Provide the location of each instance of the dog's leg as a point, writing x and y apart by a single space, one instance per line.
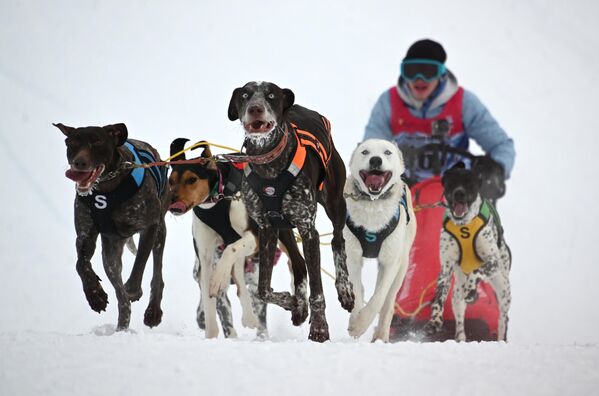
206 258
153 314
360 321
354 266
267 239
200 317
501 285
225 315
86 245
449 251
319 328
300 277
248 317
234 253
336 210
260 307
386 314
458 305
146 243
112 250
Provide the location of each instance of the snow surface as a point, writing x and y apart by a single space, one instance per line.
167 69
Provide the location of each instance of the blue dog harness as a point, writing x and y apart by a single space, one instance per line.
371 241
103 204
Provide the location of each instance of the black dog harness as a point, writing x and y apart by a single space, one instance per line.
102 205
217 217
271 191
370 241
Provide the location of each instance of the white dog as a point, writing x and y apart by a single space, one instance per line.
381 224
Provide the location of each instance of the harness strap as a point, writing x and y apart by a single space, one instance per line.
371 241
102 204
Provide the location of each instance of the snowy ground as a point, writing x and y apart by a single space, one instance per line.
167 70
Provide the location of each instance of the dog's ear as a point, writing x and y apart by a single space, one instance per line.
177 146
118 132
288 99
232 112
67 130
206 153
459 165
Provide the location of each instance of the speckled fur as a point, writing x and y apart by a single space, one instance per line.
374 212
492 249
298 206
143 214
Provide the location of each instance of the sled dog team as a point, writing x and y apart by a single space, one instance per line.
251 203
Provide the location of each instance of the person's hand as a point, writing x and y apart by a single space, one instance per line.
491 175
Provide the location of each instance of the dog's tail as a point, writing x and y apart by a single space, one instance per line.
131 246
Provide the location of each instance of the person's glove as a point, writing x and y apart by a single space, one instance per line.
491 175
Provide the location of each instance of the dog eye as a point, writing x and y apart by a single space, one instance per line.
191 180
388 152
245 95
365 152
271 96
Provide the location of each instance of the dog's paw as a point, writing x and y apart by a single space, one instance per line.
460 336
358 323
299 314
133 292
380 335
153 316
249 320
96 297
345 294
319 328
432 327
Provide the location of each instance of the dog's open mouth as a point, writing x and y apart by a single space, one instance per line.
178 208
259 126
459 209
375 180
85 179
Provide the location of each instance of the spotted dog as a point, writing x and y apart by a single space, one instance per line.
301 169
473 249
117 202
211 190
380 225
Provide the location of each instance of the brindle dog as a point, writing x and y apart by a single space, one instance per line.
268 115
117 203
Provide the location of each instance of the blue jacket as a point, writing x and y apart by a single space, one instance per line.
478 122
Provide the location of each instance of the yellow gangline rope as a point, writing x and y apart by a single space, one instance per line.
200 144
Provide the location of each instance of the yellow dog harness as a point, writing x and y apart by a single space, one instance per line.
466 235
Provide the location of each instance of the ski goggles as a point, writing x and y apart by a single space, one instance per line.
424 69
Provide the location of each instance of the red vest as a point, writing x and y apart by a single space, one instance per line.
402 121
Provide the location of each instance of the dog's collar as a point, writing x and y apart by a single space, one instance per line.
362 196
261 159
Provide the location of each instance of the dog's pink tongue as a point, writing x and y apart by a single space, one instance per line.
374 182
177 207
77 175
459 209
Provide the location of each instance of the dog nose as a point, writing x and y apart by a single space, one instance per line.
80 163
459 194
375 162
256 110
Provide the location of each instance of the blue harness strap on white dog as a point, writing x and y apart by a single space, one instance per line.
371 241
101 205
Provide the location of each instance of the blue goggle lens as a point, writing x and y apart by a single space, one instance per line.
426 70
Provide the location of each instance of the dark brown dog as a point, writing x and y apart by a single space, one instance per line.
117 202
283 193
